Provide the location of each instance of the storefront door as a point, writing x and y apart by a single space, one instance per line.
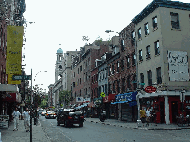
174 105
162 114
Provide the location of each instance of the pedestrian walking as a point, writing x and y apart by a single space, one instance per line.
147 116
26 116
143 115
16 115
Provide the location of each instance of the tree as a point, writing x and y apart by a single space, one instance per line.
65 97
98 41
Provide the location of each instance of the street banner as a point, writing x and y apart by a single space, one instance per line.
14 50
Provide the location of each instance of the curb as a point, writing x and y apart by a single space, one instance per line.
143 128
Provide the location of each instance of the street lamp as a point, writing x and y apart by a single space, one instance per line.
182 100
35 117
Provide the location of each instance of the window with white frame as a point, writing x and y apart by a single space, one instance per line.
139 33
148 52
146 29
154 22
174 20
140 55
157 47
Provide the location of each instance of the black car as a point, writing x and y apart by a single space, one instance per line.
70 117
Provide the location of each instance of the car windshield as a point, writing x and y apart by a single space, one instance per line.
75 112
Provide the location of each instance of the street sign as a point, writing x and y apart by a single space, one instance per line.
21 77
150 89
102 94
141 83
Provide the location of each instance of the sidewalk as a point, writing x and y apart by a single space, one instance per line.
38 135
133 125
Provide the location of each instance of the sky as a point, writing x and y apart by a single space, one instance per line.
63 23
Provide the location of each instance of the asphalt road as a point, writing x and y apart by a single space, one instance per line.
92 132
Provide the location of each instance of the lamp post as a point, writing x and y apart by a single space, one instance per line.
35 107
182 100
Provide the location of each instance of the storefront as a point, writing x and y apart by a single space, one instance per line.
127 106
110 109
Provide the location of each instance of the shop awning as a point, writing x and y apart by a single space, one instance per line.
9 88
13 97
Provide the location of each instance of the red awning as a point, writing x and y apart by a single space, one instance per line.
11 97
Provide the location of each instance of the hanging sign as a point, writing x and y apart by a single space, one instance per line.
150 89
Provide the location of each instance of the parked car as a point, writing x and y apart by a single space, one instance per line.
50 114
70 117
43 112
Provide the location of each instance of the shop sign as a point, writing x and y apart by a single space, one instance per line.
79 99
150 89
106 99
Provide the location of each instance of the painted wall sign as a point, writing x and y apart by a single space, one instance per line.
178 66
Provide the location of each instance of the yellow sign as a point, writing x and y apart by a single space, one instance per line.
102 94
10 81
14 49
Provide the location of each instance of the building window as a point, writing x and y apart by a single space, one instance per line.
122 64
133 38
140 55
128 61
134 59
109 88
118 88
159 77
122 44
114 87
146 29
174 20
148 52
106 74
78 70
73 84
109 70
123 85
142 79
74 74
149 75
117 66
80 80
128 82
157 48
139 33
134 82
154 22
113 69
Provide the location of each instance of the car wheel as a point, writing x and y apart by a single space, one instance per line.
66 124
81 124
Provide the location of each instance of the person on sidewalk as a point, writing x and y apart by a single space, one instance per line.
16 115
26 116
147 116
143 115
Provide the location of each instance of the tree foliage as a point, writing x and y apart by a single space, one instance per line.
65 96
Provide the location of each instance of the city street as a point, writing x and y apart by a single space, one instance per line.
92 132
